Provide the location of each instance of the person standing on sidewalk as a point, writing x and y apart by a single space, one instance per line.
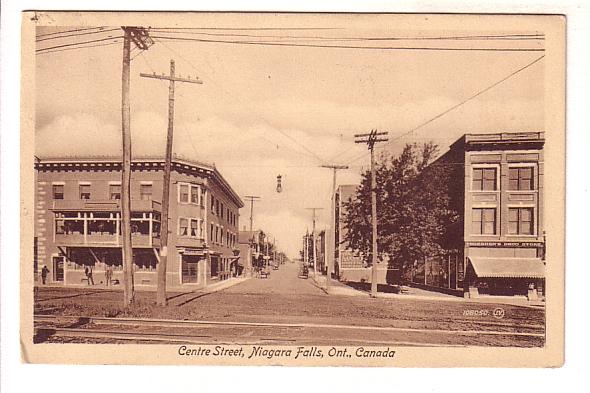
44 273
88 272
109 275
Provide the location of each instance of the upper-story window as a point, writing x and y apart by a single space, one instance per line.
521 178
58 191
212 204
145 192
189 193
194 227
114 191
520 221
484 179
84 191
183 193
183 226
195 191
217 207
483 221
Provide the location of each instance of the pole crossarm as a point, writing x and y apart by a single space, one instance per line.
139 36
335 166
370 133
172 78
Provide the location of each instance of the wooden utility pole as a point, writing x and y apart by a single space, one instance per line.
331 244
161 289
252 199
305 246
141 39
315 254
370 139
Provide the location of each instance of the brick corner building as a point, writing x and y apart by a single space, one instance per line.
78 221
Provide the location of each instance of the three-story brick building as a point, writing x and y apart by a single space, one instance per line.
498 246
78 221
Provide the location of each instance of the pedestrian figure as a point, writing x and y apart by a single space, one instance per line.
88 272
44 272
109 275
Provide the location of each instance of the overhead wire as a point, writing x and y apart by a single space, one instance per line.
284 44
116 41
75 35
514 37
82 45
70 31
463 102
77 43
313 154
248 28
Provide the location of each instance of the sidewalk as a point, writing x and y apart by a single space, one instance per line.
219 286
210 288
336 287
339 288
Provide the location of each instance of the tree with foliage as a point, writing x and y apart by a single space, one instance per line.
416 208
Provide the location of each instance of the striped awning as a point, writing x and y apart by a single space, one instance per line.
508 267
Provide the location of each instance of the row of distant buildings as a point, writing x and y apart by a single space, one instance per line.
78 222
501 247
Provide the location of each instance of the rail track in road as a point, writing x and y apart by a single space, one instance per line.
234 332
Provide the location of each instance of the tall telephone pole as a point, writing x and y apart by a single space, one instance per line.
252 199
141 39
315 254
161 289
370 139
331 249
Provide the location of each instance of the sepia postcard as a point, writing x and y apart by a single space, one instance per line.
299 189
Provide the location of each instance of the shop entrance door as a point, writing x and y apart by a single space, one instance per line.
190 269
58 269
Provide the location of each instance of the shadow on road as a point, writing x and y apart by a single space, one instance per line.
43 334
366 287
95 292
193 298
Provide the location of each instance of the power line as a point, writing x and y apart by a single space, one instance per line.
69 31
247 28
75 35
458 105
77 43
424 48
513 37
238 100
117 41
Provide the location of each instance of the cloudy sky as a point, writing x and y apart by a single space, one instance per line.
269 110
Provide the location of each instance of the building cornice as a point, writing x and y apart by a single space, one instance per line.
143 163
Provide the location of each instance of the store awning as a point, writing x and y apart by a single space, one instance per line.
508 267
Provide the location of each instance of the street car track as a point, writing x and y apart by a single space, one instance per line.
167 323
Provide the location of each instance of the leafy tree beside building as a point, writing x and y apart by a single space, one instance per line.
417 209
